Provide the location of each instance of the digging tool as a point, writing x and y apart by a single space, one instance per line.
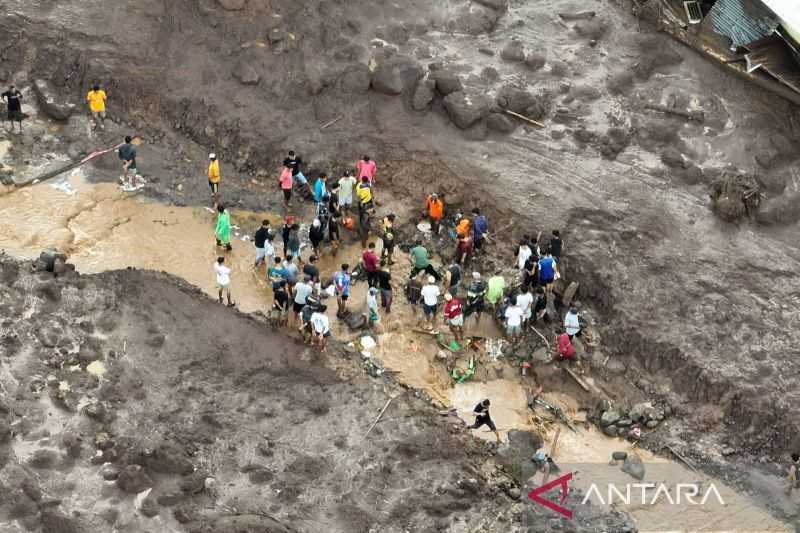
697 116
379 417
523 117
542 336
331 122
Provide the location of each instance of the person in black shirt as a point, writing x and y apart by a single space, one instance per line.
280 303
311 270
482 417
294 162
127 152
285 231
316 234
556 246
13 100
333 230
261 238
385 285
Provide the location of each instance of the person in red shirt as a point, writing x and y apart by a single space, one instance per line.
371 261
566 351
463 248
453 316
367 168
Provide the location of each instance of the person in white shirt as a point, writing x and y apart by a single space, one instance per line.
525 301
430 300
572 324
513 316
346 186
321 327
301 292
223 280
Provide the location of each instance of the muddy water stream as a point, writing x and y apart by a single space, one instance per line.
102 228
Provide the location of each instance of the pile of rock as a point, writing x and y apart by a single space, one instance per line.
618 421
51 260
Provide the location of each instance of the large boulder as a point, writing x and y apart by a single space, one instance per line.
246 73
395 75
355 79
610 417
497 5
500 122
633 466
52 104
474 19
447 81
521 101
465 110
133 479
48 258
423 95
513 51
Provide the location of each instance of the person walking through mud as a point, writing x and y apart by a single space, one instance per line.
373 312
334 237
482 417
263 241
97 106
547 272
276 273
572 323
341 288
430 301
434 211
127 153
366 168
346 187
223 274
316 234
453 316
223 228
286 183
420 261
366 200
302 291
321 189
384 281
311 270
13 99
294 164
370 261
387 239
290 271
513 315
321 327
480 229
213 178
293 241
556 246
476 292
280 303
413 293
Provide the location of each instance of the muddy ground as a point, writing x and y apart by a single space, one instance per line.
694 313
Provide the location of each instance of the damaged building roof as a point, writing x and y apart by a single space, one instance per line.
742 21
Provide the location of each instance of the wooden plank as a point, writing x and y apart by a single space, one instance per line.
578 380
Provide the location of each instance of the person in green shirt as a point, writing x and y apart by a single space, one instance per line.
421 261
223 229
497 286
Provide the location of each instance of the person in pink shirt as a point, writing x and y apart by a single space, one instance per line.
286 183
566 351
367 167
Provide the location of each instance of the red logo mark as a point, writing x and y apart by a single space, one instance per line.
564 482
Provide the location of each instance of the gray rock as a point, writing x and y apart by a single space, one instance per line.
246 73
500 123
447 81
486 51
395 75
478 132
499 5
633 466
465 110
672 158
619 456
149 506
514 493
423 95
535 61
276 35
232 5
767 158
652 424
109 472
609 417
55 522
43 459
513 51
355 79
47 259
54 105
586 93
625 422
603 405
611 430
474 19
133 479
167 458
169 499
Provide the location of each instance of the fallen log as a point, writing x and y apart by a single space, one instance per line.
580 15
697 116
578 380
379 417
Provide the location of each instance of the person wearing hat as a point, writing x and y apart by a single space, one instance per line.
434 210
316 234
430 300
97 105
213 178
453 316
476 292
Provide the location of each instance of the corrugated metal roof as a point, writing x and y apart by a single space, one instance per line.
743 21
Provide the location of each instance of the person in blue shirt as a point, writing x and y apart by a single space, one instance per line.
547 271
480 228
276 273
341 284
320 188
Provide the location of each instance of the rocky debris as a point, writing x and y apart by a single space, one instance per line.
486 51
465 110
394 75
535 61
424 94
633 466
620 82
148 505
43 459
521 101
252 523
673 158
500 122
617 421
586 93
167 458
133 479
592 29
257 474
514 51
355 79
47 260
559 69
232 5
619 456
499 5
55 522
614 142
246 73
474 19
610 417
447 81
658 55
767 157
54 105
109 472
734 197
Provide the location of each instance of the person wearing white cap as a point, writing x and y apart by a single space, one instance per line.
373 315
213 178
453 316
430 300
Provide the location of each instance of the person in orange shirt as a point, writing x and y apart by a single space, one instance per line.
464 227
435 211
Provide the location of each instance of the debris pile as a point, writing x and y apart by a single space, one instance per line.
617 421
735 197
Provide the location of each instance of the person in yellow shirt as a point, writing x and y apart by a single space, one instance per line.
97 105
364 193
213 178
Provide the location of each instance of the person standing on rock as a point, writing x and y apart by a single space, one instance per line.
127 153
13 99
263 241
97 105
367 168
387 238
421 262
321 327
341 287
572 323
453 316
482 417
346 187
480 229
434 210
286 183
223 280
294 164
430 301
223 228
213 178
